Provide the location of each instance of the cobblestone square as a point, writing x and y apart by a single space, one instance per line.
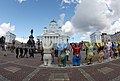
32 69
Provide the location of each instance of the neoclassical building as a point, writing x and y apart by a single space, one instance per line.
96 37
9 37
54 33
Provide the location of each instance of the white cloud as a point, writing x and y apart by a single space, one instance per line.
61 20
90 16
64 2
20 1
114 28
67 1
24 40
85 36
114 16
67 28
115 6
71 1
5 27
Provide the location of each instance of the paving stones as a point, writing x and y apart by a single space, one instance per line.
116 79
30 62
32 69
3 78
2 61
59 74
15 72
12 69
31 75
105 70
87 76
102 72
59 77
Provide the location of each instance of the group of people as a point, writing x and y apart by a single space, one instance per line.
64 50
22 52
109 49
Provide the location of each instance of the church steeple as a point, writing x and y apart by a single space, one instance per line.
53 24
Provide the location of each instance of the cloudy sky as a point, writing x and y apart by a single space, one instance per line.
78 18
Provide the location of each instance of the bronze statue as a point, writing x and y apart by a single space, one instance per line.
31 31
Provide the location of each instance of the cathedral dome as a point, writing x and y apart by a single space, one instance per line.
45 27
53 21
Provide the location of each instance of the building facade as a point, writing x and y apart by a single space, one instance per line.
115 37
53 34
9 37
96 37
105 37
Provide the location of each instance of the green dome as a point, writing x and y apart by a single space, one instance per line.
53 21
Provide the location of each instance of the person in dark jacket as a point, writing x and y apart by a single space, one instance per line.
41 51
17 52
25 52
21 52
31 51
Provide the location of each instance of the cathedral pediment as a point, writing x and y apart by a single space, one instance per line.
51 33
54 34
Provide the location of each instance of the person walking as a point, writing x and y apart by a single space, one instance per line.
52 54
5 49
17 51
67 53
21 52
31 51
41 51
25 52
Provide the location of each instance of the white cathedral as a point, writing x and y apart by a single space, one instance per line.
55 34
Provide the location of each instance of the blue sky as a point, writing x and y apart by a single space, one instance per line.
31 14
79 18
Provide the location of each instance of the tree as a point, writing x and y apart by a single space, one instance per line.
2 40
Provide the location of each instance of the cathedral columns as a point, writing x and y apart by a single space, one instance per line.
45 39
55 39
48 39
58 40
